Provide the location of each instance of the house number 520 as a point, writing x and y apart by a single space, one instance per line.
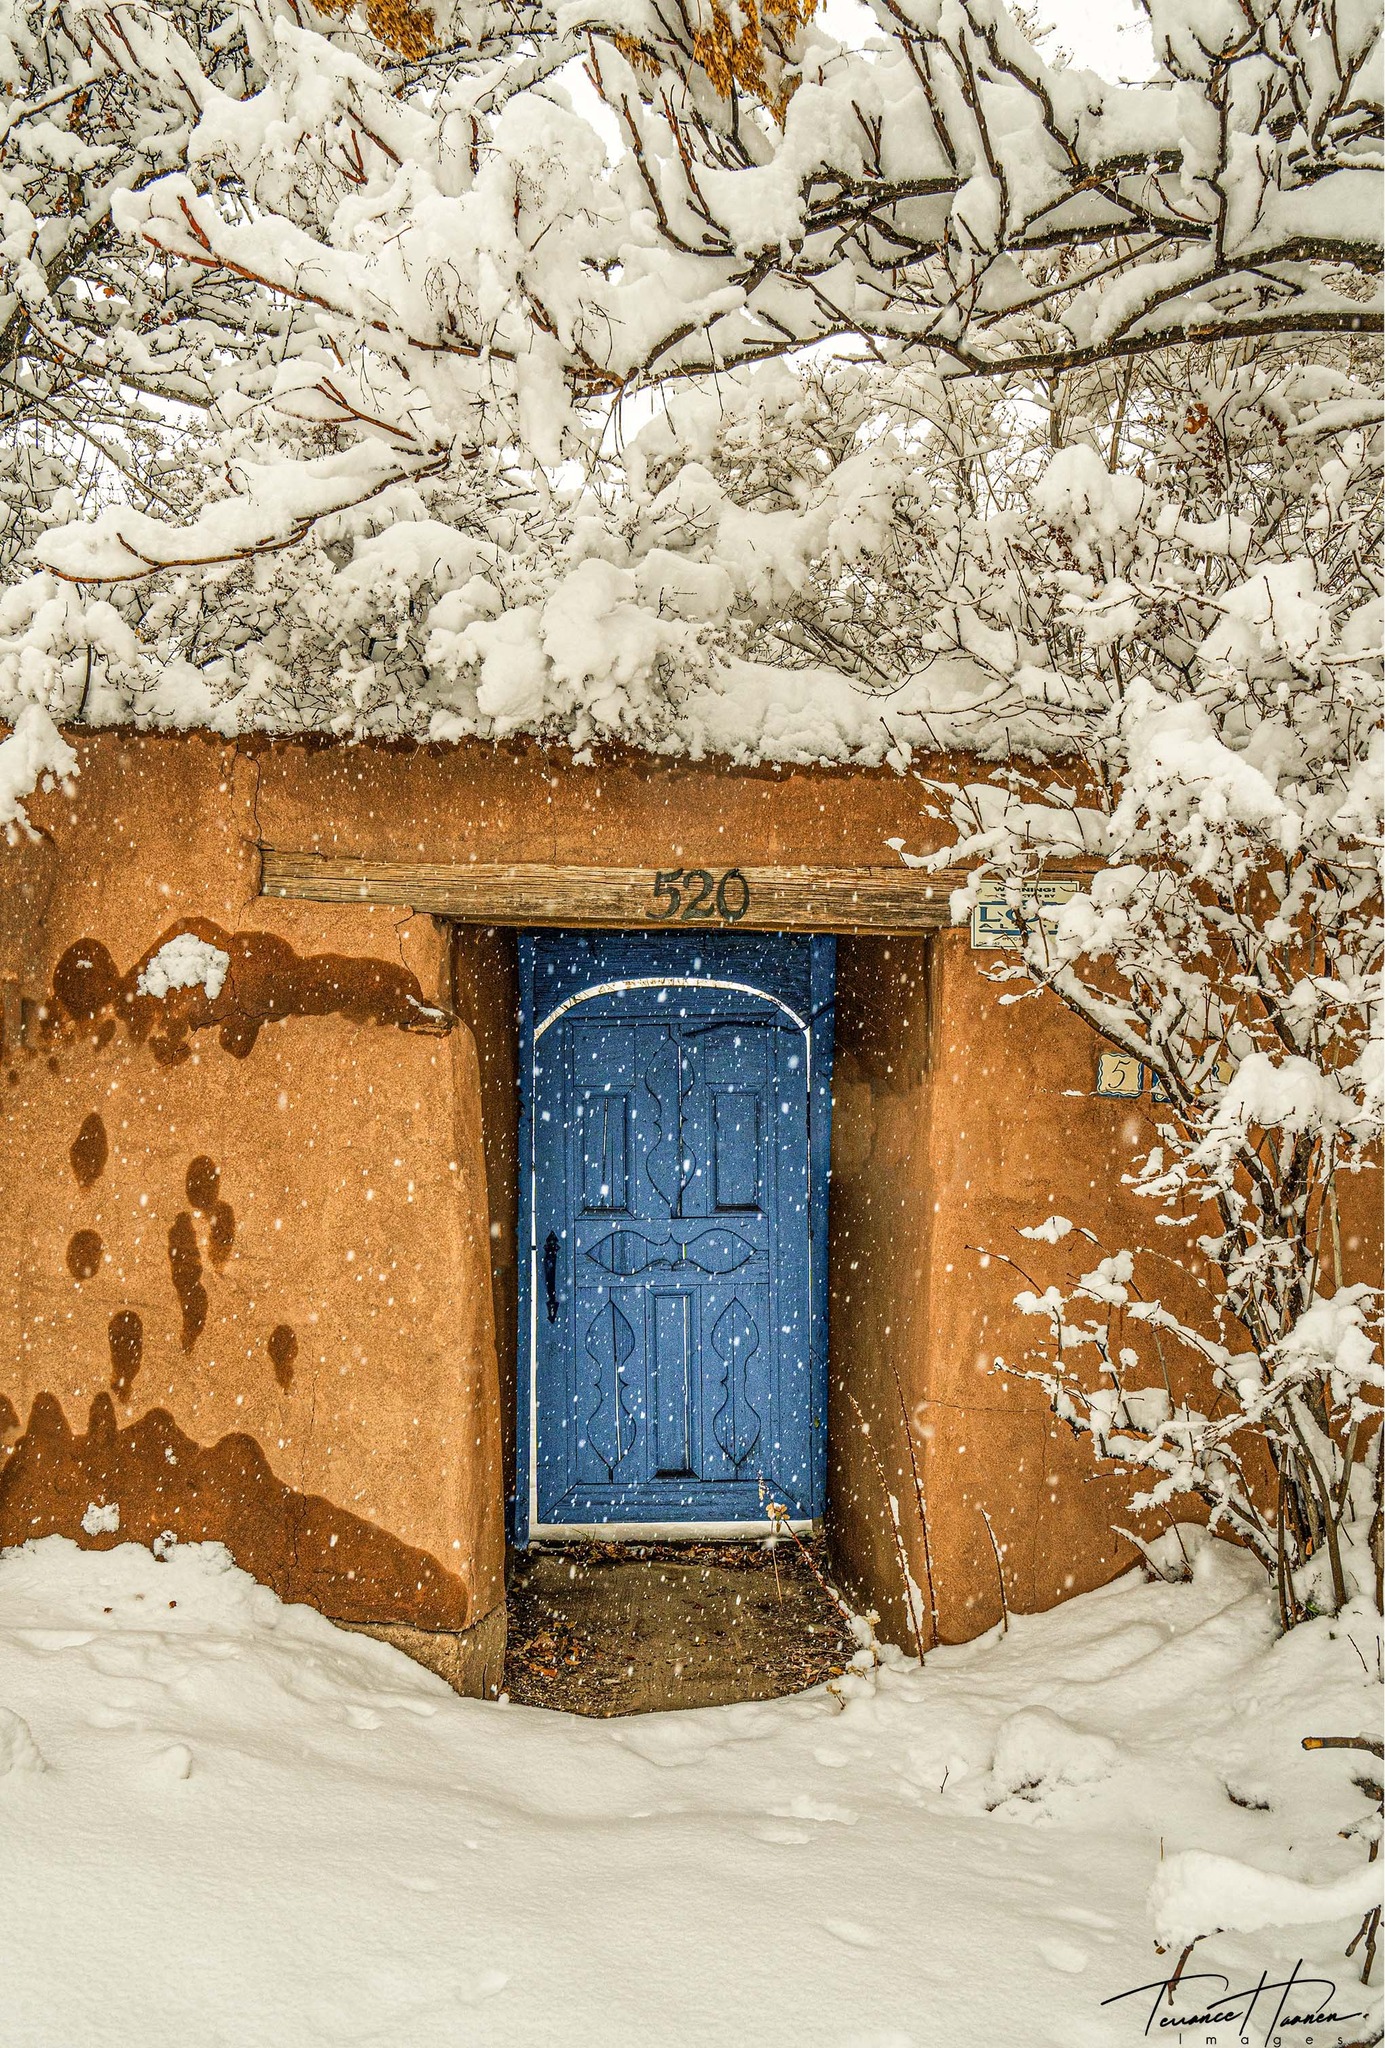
697 896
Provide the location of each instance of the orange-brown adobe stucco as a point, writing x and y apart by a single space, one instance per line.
257 1254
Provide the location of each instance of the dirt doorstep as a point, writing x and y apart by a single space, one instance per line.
597 1628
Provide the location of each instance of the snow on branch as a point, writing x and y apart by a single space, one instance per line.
950 187
280 503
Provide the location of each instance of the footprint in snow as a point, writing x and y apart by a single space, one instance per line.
1080 1916
836 1756
803 1807
780 1836
111 1717
485 1986
175 1762
55 1638
853 1933
114 1659
20 1756
1065 1956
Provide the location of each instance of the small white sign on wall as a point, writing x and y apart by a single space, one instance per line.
994 925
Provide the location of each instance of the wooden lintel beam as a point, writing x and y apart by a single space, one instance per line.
890 899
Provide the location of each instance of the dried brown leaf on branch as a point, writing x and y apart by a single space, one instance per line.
407 30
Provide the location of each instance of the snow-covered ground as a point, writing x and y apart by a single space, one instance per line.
224 1821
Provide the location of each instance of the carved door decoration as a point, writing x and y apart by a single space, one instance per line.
676 1323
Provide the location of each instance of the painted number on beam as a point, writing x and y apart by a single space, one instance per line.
697 896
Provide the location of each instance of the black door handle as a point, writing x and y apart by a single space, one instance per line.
550 1274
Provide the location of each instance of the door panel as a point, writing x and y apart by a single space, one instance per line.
674 1369
673 1230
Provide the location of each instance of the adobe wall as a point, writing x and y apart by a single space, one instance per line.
244 1245
958 1122
527 803
257 1255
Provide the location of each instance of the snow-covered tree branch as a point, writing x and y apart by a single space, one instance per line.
244 234
948 185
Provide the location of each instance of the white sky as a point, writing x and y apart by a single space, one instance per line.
1109 36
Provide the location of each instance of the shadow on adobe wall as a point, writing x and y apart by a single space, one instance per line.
303 1546
265 981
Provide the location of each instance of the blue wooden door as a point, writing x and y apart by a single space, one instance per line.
676 1131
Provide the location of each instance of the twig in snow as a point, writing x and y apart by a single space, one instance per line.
922 1512
1000 1575
1369 1930
1181 1966
904 1572
779 1520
